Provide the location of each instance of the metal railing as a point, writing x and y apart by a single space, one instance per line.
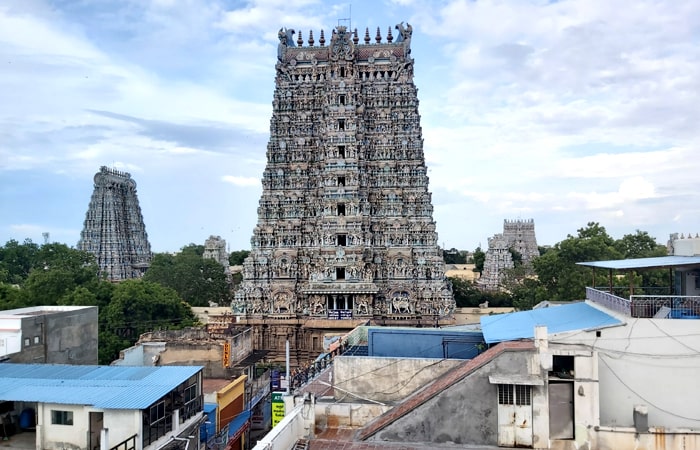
126 444
649 306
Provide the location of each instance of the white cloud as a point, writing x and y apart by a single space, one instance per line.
241 181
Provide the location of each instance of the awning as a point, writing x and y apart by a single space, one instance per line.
238 425
528 380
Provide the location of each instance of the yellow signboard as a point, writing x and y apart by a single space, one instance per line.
226 357
277 408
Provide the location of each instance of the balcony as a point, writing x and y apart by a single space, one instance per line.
648 306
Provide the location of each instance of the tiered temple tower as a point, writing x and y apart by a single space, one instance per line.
345 229
114 230
215 248
518 235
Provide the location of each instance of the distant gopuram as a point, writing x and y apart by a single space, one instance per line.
517 236
345 230
114 230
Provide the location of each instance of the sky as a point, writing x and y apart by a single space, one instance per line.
565 112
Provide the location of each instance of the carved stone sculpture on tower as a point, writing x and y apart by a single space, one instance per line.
113 230
345 220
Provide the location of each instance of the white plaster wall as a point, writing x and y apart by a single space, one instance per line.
298 423
122 424
63 436
10 336
655 362
132 356
691 279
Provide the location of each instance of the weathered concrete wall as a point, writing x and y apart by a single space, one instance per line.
59 336
385 380
464 413
71 337
657 439
209 355
346 415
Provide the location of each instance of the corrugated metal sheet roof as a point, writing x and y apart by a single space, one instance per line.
108 387
557 319
644 263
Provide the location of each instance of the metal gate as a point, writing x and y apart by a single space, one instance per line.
561 410
514 415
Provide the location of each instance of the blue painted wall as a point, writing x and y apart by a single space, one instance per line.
423 343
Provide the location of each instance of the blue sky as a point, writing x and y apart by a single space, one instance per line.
565 112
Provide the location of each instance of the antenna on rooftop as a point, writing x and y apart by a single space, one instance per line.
348 19
46 235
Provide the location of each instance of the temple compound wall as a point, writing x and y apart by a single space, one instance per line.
345 231
114 230
519 236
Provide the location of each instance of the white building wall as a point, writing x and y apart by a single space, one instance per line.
122 424
10 335
63 436
655 362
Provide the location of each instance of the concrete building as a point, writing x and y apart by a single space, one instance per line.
345 229
114 230
223 355
574 376
49 335
99 407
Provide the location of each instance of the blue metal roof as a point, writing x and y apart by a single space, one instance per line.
644 263
107 387
557 319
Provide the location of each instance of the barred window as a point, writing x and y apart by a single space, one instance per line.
505 394
509 394
522 395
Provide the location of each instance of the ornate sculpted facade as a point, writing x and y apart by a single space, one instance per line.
345 227
518 235
113 230
215 248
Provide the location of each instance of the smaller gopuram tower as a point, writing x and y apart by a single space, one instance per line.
519 236
113 230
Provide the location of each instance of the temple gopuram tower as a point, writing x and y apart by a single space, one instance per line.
114 230
518 235
345 230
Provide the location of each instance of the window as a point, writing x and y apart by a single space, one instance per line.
509 394
341 181
26 342
341 124
341 151
342 240
341 99
341 209
342 71
340 273
61 417
37 340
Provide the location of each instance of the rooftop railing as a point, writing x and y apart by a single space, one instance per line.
648 306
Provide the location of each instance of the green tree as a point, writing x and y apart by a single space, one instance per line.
11 297
454 256
16 260
58 270
236 258
467 294
139 306
479 259
639 245
557 270
197 280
